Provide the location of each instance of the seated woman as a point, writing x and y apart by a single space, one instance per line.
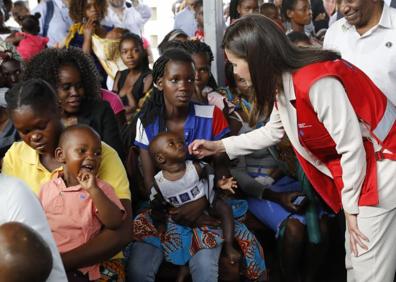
34 110
74 77
101 42
132 83
169 108
273 195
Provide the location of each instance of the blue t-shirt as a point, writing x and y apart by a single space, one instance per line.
203 122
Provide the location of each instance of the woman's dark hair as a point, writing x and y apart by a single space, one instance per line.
77 9
36 93
137 40
47 63
198 47
154 107
287 5
172 36
30 24
229 75
269 53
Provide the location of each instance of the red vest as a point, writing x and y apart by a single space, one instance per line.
371 107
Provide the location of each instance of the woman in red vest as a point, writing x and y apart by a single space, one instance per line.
342 129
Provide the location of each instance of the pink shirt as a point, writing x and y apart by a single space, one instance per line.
71 215
31 45
113 99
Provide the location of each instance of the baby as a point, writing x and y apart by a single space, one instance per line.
180 182
75 201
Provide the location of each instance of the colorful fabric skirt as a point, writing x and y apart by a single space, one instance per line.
180 243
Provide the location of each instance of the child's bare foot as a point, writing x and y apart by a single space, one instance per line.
184 271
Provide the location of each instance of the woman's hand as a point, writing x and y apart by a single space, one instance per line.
355 236
202 148
286 200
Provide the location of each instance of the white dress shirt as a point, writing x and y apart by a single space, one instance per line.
373 52
185 20
144 11
18 203
59 24
330 102
130 20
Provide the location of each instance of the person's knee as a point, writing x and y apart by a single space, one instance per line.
143 262
204 265
294 230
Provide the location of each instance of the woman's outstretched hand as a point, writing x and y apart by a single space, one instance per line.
202 148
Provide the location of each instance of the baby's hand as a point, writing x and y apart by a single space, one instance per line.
232 254
227 183
87 181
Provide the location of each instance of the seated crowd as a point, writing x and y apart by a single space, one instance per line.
99 133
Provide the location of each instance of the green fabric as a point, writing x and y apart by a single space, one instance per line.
311 213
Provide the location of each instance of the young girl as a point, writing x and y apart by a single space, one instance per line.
180 182
170 108
76 202
28 42
132 84
240 8
93 38
34 110
205 90
298 15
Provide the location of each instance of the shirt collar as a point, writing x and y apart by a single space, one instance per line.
61 185
288 88
385 21
30 156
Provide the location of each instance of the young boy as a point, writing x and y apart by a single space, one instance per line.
181 181
75 201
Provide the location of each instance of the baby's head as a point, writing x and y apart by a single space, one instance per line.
167 148
80 150
30 24
24 255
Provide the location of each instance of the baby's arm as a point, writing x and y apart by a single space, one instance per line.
108 213
159 211
222 210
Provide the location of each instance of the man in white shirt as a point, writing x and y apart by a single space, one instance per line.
19 204
119 15
366 37
185 20
54 21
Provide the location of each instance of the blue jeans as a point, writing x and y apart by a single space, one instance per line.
145 260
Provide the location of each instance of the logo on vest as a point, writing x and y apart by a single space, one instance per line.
304 125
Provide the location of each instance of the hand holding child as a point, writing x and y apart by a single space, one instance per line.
227 183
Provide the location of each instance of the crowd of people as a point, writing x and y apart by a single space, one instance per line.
116 166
